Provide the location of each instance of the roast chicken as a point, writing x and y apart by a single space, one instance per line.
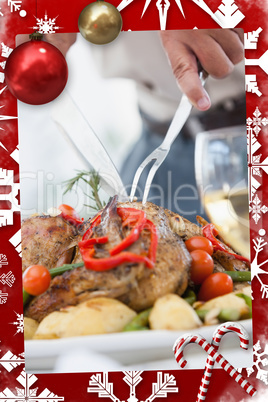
52 241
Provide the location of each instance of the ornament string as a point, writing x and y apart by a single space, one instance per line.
36 19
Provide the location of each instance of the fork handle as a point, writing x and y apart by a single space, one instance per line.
180 117
177 123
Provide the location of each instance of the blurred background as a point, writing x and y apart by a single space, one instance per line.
47 160
131 117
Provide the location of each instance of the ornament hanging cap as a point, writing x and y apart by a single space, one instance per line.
36 36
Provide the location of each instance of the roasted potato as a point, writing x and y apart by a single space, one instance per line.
100 315
228 301
173 313
30 327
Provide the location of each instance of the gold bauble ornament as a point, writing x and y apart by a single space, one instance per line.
100 22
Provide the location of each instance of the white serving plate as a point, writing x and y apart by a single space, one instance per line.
148 350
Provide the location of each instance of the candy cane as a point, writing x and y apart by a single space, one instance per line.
183 341
217 336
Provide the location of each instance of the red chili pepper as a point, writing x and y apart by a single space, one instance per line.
69 214
127 213
129 216
209 231
104 264
94 240
95 222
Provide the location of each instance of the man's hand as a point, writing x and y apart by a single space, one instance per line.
217 50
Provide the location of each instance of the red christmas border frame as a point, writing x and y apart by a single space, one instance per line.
18 17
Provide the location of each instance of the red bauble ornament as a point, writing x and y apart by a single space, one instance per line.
36 71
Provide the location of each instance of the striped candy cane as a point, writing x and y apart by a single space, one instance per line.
218 334
183 341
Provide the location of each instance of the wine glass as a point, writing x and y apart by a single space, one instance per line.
222 180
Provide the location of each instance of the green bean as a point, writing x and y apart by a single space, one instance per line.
226 314
189 296
229 314
135 328
201 314
239 276
139 322
26 297
63 268
248 301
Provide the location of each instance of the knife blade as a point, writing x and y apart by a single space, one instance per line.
78 132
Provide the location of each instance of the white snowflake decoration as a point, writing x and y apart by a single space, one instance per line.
15 240
3 297
251 84
257 121
250 42
261 62
7 179
14 5
15 154
7 279
99 383
165 384
251 39
257 209
3 260
132 378
27 393
163 6
255 165
10 361
227 16
260 358
256 269
46 25
6 51
19 323
3 117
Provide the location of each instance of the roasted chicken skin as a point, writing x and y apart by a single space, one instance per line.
173 261
135 284
47 240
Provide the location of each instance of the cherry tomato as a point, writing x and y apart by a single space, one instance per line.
36 280
215 285
201 267
70 214
199 243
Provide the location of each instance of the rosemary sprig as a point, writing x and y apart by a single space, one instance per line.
91 178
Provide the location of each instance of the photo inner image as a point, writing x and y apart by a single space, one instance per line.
134 200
